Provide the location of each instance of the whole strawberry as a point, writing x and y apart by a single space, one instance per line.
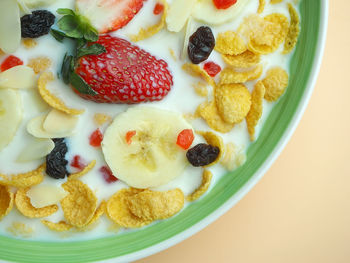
124 73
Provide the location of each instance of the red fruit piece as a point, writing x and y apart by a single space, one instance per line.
158 9
129 135
96 138
107 174
10 62
78 162
185 139
224 4
124 74
108 15
212 68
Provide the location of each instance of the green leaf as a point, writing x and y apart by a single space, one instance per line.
80 85
91 34
95 49
67 68
58 35
65 11
80 43
71 26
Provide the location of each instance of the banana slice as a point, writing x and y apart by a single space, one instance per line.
151 158
38 3
206 11
10 26
179 12
11 112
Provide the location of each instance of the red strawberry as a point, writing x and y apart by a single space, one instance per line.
108 15
124 74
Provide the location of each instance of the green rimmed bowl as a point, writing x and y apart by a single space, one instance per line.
227 192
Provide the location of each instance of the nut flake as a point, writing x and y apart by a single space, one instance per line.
275 82
18 77
203 188
230 43
6 201
58 122
25 179
24 205
35 150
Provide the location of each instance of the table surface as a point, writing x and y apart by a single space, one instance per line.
300 210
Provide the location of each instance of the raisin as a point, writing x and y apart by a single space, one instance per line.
202 154
201 44
56 164
37 24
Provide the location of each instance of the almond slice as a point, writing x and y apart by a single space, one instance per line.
10 26
45 195
19 77
35 150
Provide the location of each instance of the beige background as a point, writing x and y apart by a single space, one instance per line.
300 210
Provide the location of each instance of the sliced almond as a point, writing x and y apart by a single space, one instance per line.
19 77
60 122
179 12
44 195
10 26
189 31
35 150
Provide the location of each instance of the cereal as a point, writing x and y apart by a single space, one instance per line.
230 76
20 229
247 59
201 89
203 188
101 118
24 180
51 99
6 200
86 169
99 212
61 226
294 30
23 204
80 204
256 109
209 112
119 212
153 205
261 7
197 71
230 43
29 43
276 1
233 102
39 64
233 158
152 30
172 54
214 140
275 82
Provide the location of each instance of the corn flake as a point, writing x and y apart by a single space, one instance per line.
294 30
80 204
24 205
233 158
276 1
261 7
214 140
231 76
99 212
201 89
203 188
6 201
20 229
86 169
153 205
118 210
209 112
51 99
247 59
230 43
26 179
152 30
101 118
233 102
39 64
29 43
256 109
275 83
61 226
197 71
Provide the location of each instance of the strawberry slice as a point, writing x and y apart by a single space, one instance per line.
108 15
125 73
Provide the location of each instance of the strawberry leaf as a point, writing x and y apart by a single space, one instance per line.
67 68
58 35
80 85
65 11
70 25
95 49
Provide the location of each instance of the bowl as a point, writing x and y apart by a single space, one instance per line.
276 132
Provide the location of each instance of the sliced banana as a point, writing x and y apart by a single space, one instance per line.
206 11
11 112
152 158
35 150
38 3
179 12
10 26
19 77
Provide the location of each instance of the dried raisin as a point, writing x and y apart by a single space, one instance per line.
202 154
37 24
201 45
56 164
